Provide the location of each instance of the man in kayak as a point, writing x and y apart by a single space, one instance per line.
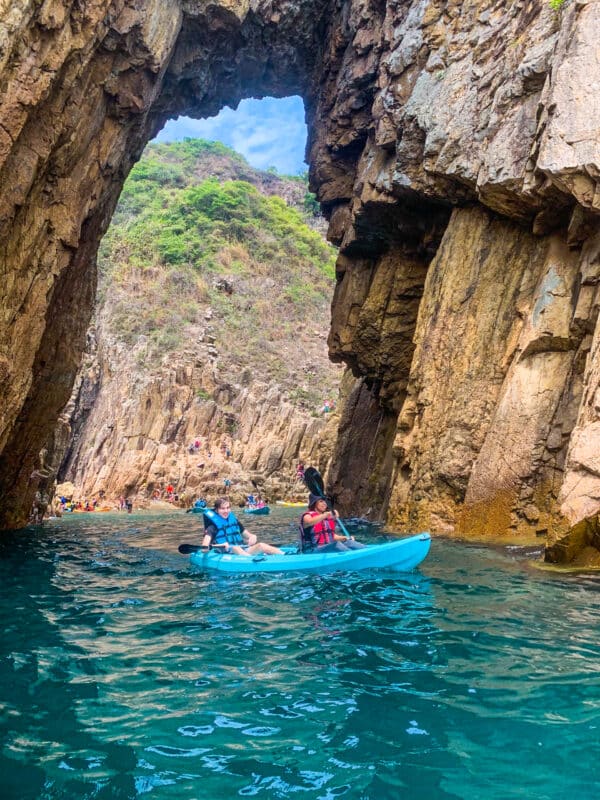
317 529
223 530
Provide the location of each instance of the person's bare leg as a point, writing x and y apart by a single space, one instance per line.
239 551
267 549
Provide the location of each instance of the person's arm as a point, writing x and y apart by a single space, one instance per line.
310 521
206 539
209 535
249 538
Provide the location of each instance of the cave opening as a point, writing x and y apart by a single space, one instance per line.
183 269
73 153
103 84
270 132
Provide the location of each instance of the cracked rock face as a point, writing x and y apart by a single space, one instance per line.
466 301
455 149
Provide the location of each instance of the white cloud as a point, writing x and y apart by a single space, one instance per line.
268 132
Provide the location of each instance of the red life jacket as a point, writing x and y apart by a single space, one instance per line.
319 534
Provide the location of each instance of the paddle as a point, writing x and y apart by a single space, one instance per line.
186 549
314 483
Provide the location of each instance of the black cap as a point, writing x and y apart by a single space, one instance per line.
313 499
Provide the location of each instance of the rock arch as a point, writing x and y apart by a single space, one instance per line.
458 168
84 86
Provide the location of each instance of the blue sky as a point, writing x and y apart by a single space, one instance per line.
269 132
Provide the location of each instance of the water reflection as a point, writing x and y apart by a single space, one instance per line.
43 681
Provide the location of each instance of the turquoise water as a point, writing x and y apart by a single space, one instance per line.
125 675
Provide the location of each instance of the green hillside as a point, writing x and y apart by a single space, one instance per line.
185 246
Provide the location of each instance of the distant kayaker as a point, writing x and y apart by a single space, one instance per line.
223 530
317 529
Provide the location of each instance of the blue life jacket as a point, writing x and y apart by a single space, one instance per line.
228 530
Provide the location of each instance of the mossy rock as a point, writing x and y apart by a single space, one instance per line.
579 547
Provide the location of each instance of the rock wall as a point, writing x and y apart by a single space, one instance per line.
484 442
132 431
469 193
454 148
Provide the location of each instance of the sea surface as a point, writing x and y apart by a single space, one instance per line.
125 674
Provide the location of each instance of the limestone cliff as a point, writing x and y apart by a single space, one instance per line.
455 150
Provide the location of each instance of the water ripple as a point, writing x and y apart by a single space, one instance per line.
473 677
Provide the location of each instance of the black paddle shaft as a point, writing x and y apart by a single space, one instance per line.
186 549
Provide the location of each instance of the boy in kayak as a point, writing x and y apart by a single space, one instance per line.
223 530
317 528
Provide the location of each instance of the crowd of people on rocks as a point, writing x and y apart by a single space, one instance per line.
66 505
196 446
43 504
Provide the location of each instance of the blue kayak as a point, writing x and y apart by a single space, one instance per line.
401 555
257 510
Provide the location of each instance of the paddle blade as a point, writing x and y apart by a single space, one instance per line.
186 549
314 481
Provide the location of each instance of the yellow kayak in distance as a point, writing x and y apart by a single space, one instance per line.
291 503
